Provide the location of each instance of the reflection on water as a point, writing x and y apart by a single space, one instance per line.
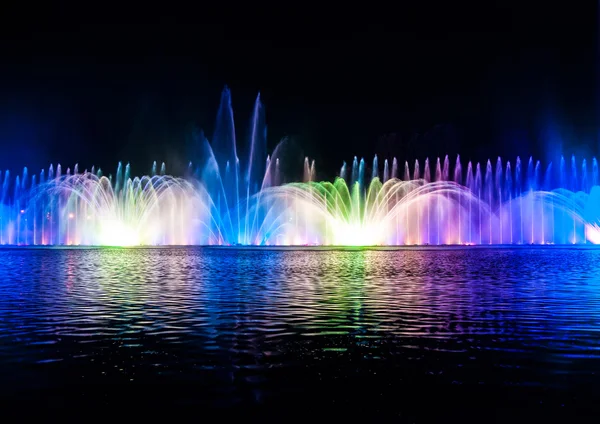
250 327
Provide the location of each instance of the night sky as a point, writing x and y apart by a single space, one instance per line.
478 79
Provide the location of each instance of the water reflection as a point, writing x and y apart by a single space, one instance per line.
246 325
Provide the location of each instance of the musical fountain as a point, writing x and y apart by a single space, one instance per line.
232 199
496 206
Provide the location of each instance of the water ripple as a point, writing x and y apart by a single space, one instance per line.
231 320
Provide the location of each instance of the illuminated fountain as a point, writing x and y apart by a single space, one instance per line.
90 209
218 203
438 207
247 199
232 188
230 184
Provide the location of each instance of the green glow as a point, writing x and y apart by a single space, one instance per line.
356 216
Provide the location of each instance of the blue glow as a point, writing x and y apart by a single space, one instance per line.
229 200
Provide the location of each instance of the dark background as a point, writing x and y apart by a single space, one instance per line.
482 79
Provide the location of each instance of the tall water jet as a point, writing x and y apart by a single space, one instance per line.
228 198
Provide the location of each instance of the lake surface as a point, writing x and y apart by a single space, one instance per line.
406 334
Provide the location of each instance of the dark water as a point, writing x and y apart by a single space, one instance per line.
488 334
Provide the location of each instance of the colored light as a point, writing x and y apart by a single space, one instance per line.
115 233
593 233
224 201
